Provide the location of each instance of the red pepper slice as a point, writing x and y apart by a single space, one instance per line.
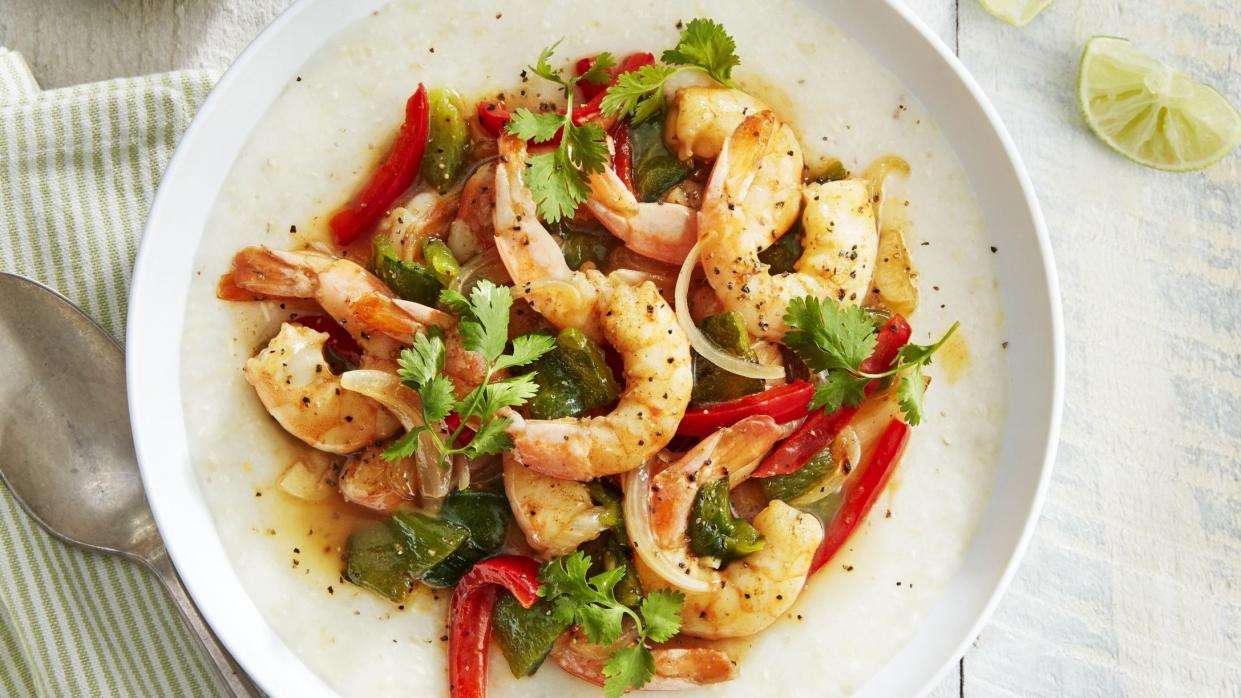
339 340
590 110
394 176
493 117
622 161
469 620
862 490
783 403
589 89
452 421
821 429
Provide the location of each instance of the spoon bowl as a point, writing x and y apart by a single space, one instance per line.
66 452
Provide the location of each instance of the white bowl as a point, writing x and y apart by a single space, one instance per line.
885 28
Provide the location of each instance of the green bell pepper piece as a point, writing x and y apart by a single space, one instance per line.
783 255
714 531
799 482
485 516
441 261
830 171
583 243
387 557
713 384
572 377
525 635
409 280
448 144
609 498
655 170
607 552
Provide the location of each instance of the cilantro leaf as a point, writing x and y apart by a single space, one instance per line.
500 394
829 335
602 624
588 148
526 350
626 96
837 389
404 447
423 361
537 127
909 394
598 73
491 438
486 329
705 44
565 576
437 398
456 303
628 668
543 67
661 611
557 186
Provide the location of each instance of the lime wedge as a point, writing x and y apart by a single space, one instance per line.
1150 113
1016 12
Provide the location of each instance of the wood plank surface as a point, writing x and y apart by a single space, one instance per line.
1132 585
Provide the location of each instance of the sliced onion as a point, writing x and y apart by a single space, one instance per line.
434 482
637 484
485 265
305 480
701 343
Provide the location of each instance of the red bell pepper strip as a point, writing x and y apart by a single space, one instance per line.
452 421
493 117
820 429
394 176
622 161
339 340
589 89
591 109
861 491
783 403
469 620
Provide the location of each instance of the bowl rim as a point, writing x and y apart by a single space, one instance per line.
157 419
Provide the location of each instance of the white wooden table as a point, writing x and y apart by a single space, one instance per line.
1133 583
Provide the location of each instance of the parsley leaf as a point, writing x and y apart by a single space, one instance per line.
705 44
482 321
628 668
591 603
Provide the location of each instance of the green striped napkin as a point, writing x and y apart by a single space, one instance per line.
78 169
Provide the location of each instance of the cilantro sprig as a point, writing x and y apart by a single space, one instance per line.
836 338
590 602
483 325
704 46
560 179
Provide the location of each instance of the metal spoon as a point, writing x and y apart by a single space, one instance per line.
66 451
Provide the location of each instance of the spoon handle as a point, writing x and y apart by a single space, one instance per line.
232 676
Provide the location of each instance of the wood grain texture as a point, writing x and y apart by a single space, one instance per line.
1132 585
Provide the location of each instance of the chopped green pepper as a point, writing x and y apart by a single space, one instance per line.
409 280
799 482
782 256
525 635
609 498
485 515
572 377
713 384
655 170
441 261
448 144
584 243
714 531
607 552
830 170
388 556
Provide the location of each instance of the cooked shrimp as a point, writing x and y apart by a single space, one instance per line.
661 231
699 123
334 282
473 230
296 386
370 481
556 515
748 594
428 214
630 316
676 668
734 228
403 320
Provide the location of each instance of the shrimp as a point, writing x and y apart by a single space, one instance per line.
426 215
370 481
403 320
296 386
556 515
676 668
335 283
661 231
734 228
748 594
473 230
627 313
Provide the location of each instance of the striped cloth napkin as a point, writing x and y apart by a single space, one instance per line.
78 169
